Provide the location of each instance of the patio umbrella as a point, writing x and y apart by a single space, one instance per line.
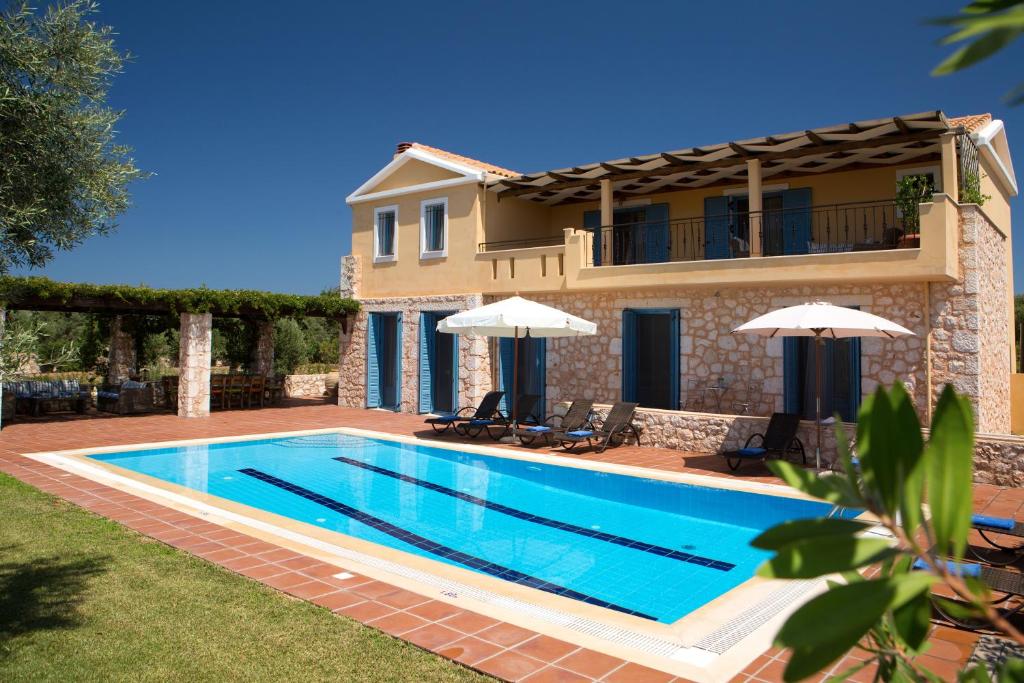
516 318
821 320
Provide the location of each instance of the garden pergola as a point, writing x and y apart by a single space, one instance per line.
196 309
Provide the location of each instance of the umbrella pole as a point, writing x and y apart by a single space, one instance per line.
818 342
515 381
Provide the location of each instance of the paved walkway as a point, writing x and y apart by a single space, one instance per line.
497 648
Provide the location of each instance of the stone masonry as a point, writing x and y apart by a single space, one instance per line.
263 350
194 364
121 360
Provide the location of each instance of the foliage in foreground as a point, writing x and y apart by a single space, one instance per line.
63 177
895 476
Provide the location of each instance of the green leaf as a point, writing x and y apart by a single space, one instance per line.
949 458
823 555
843 675
804 529
1011 671
909 586
977 50
1015 96
910 445
835 490
976 674
912 620
827 626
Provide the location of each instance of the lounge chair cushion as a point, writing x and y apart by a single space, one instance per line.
581 433
993 522
113 395
958 568
751 452
538 428
443 418
480 423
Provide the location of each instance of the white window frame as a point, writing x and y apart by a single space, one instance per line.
424 253
377 256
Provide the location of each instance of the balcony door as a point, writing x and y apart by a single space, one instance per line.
840 377
640 234
786 224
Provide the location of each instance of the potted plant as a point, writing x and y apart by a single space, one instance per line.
911 191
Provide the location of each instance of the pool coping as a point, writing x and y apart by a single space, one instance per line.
629 638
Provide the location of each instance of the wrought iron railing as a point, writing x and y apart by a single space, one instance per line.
553 241
853 226
968 178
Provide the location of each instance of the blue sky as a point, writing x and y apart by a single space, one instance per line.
258 118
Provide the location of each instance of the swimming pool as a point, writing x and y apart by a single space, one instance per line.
656 550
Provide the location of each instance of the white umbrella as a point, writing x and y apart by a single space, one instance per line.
516 317
821 320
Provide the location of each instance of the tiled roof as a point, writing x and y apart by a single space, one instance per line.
972 122
458 158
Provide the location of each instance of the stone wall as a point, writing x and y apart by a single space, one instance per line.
310 386
194 364
121 360
591 367
474 355
971 324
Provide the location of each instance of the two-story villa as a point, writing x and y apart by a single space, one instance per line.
669 252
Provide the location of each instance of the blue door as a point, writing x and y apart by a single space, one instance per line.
840 377
716 228
650 357
384 361
532 372
640 234
796 220
439 354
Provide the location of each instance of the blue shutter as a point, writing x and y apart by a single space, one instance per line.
855 379
426 361
372 364
716 227
398 361
455 367
796 220
628 355
536 379
592 222
673 361
506 362
791 390
656 234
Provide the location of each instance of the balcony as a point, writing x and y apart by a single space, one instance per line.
828 229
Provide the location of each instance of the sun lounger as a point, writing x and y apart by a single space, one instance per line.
485 411
576 418
1005 581
500 424
987 526
778 440
611 431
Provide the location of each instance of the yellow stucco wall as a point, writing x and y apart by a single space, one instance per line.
413 172
1017 403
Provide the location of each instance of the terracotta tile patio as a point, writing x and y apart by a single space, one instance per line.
499 649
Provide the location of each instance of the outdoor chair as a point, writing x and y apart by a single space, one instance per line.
501 425
127 398
234 390
693 400
746 396
217 391
986 525
611 431
484 412
255 391
778 440
171 383
577 417
1005 581
275 389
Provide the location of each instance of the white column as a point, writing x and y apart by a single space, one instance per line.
194 357
755 203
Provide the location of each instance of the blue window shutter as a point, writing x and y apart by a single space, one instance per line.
656 239
673 366
455 366
506 362
716 227
398 361
372 365
628 355
855 376
796 220
791 390
426 362
592 221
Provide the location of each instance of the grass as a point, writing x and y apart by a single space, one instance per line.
83 598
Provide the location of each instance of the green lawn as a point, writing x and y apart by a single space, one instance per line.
82 598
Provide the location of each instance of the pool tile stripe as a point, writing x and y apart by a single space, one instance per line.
545 521
451 554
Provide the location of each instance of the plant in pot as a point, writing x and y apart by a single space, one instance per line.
911 191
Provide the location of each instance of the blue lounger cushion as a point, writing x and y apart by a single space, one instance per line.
957 568
479 423
538 428
751 452
580 433
445 418
993 522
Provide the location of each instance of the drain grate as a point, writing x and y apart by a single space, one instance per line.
741 626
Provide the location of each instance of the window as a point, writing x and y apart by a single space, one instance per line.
929 172
385 222
434 228
840 377
650 357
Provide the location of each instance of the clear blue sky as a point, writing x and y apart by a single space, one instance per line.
258 118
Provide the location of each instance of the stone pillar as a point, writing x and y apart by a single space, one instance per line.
194 356
263 352
950 182
755 204
121 359
607 210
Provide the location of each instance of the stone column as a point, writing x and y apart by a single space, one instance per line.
121 359
263 352
950 170
194 356
755 205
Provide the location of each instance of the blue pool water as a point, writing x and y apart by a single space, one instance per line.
646 547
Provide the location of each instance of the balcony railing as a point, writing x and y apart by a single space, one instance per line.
855 226
552 241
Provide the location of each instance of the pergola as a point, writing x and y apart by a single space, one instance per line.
196 309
